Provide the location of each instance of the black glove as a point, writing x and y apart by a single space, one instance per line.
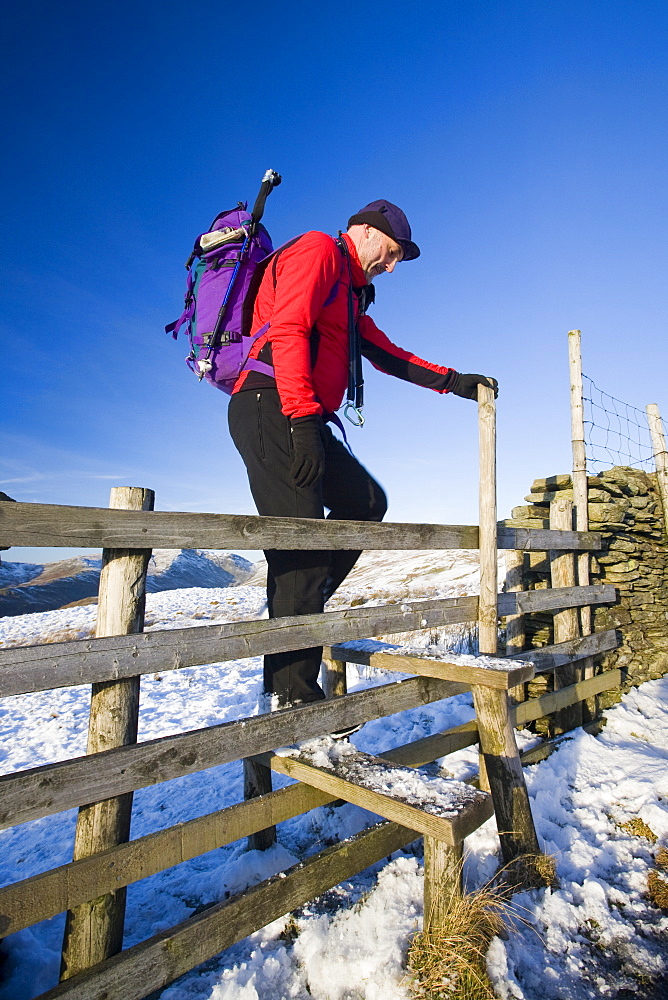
467 385
308 449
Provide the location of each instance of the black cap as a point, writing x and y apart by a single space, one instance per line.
389 219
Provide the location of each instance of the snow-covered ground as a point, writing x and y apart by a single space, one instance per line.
597 934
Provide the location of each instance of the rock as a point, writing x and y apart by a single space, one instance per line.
551 483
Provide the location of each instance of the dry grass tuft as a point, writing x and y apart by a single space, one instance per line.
657 888
448 962
662 858
638 828
530 871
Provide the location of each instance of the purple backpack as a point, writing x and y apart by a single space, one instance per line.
221 290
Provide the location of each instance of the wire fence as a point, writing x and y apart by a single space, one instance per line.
616 433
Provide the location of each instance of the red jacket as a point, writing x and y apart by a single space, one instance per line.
303 297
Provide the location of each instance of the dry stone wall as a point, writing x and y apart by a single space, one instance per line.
625 506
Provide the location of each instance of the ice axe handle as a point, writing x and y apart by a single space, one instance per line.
270 180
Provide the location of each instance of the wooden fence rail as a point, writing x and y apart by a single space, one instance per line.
85 661
101 527
41 791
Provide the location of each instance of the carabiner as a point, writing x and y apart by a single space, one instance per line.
359 422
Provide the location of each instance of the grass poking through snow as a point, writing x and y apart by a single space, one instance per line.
448 962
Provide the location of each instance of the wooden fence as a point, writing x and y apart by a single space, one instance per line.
91 888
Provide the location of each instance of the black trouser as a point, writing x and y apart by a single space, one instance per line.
299 581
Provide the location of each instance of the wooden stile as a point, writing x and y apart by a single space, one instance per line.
93 885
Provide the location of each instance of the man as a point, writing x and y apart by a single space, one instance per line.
293 383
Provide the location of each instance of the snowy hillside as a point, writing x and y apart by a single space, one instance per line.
597 934
28 588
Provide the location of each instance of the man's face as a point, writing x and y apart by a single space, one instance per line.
378 253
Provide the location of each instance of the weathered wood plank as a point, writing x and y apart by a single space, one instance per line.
349 779
515 630
443 866
488 556
98 527
555 701
257 782
548 657
84 661
42 896
427 666
51 788
43 667
499 754
154 963
541 539
430 748
526 601
566 622
95 527
334 679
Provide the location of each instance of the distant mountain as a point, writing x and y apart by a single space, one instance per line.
27 587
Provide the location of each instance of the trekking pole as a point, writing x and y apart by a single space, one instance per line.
270 180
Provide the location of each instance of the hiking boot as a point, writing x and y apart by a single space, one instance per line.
343 734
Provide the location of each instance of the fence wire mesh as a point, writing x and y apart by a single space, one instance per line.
616 433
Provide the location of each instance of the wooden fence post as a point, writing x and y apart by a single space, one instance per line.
442 880
257 781
94 930
497 737
660 455
566 623
515 630
334 678
580 491
487 609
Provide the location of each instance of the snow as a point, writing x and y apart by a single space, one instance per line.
594 935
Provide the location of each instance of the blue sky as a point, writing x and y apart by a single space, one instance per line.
526 141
